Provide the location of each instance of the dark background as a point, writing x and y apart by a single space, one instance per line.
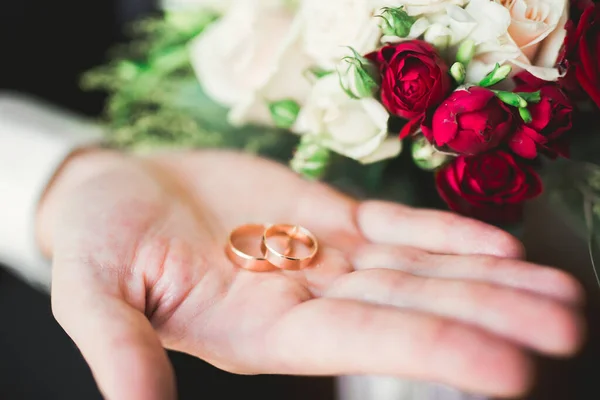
44 46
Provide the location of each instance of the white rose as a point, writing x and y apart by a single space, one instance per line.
287 80
236 55
443 29
331 25
448 28
357 129
418 7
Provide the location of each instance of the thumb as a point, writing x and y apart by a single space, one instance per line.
118 342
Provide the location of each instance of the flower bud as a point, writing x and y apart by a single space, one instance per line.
498 74
396 22
310 158
458 72
359 77
510 98
531 97
284 113
466 51
525 114
426 156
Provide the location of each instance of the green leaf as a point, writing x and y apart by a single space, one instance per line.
170 59
318 73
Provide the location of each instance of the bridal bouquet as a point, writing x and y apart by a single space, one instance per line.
480 92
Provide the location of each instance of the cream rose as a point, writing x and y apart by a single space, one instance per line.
354 128
538 29
331 25
525 33
532 21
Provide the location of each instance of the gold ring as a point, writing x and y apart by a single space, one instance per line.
247 261
240 258
285 261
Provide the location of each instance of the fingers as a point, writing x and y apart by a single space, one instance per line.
118 342
499 271
533 321
433 231
349 337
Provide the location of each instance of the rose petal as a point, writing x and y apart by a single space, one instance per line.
546 74
541 114
523 143
410 127
419 28
493 20
390 148
461 23
549 49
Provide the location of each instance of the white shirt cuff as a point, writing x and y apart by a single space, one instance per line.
35 138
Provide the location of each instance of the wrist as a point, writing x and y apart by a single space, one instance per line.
79 166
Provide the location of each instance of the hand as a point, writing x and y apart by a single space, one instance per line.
138 265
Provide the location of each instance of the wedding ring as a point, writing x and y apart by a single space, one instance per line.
286 261
242 259
245 260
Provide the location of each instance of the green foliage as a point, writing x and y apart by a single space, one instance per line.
155 102
154 99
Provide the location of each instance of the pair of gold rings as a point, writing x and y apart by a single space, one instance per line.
270 256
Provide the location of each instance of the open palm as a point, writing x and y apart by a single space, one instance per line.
139 264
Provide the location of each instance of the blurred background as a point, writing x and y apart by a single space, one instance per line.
45 46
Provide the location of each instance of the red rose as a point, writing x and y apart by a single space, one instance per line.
470 121
581 50
490 186
552 118
414 78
